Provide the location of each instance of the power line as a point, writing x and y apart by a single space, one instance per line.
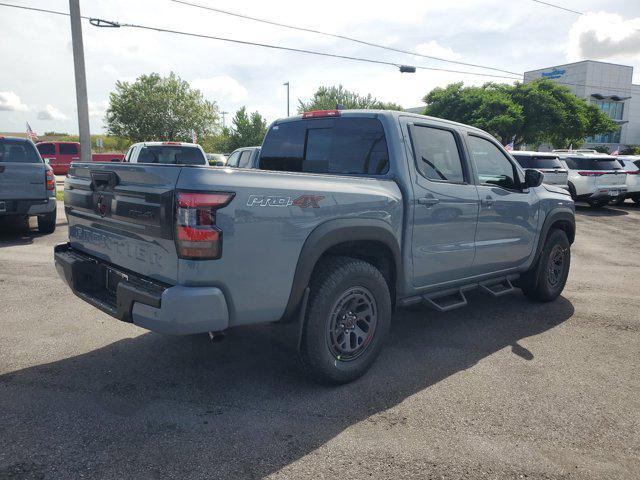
342 37
558 7
98 22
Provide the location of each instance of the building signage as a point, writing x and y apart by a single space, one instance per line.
553 74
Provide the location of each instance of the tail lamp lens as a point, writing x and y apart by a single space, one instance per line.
50 179
591 174
197 236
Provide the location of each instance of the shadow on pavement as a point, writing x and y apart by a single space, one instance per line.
236 409
608 211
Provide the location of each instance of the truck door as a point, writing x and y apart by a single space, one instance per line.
509 213
445 205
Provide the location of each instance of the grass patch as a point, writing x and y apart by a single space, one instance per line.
60 195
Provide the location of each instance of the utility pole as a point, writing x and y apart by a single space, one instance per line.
224 124
287 84
81 81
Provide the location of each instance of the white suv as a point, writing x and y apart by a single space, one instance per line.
631 165
548 164
594 178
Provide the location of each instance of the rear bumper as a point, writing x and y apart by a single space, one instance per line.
27 207
604 192
173 310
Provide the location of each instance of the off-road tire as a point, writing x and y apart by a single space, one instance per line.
544 283
333 279
47 222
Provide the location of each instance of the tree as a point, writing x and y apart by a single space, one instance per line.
159 108
247 130
327 98
531 113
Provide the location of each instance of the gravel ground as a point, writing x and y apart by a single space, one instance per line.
501 389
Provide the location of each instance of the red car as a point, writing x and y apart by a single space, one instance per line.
61 154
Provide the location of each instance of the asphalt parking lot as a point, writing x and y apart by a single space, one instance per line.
501 389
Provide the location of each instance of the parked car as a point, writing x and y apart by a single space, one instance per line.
343 223
27 183
594 178
631 165
59 155
216 159
175 153
246 157
548 163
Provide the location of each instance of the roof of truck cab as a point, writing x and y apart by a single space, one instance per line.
394 114
530 153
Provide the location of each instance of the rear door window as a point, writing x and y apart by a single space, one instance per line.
233 159
18 151
437 154
328 145
46 148
68 149
171 154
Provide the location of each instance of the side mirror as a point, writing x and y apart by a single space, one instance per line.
533 178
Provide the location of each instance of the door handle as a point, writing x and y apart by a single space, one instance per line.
487 202
428 201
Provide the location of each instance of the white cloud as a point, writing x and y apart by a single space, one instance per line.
434 49
221 86
602 35
98 109
51 113
10 102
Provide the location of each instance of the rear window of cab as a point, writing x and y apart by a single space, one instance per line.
171 154
538 161
18 151
342 146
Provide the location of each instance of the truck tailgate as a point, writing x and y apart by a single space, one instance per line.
22 181
123 214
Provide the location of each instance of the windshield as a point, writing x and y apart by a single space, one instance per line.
582 163
18 151
171 154
538 161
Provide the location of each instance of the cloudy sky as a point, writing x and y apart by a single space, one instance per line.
37 83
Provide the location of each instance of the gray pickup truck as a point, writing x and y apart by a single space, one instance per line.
352 214
27 183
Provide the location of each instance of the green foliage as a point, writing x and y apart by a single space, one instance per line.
531 113
247 130
630 150
326 98
601 148
159 108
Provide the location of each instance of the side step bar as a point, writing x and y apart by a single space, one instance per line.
452 298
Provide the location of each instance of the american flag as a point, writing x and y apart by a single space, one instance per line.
33 136
509 147
616 152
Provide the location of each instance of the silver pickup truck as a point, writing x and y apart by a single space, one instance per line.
27 184
352 214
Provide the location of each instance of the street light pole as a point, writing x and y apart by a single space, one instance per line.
224 114
287 84
81 80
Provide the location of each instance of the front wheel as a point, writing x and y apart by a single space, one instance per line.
347 320
545 282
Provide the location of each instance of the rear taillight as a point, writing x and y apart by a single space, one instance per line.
591 174
197 236
633 172
49 179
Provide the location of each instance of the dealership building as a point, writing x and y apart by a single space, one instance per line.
607 85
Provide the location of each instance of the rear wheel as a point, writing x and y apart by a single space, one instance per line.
547 279
47 222
598 203
347 320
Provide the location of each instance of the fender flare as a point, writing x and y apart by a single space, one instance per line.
330 234
562 214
